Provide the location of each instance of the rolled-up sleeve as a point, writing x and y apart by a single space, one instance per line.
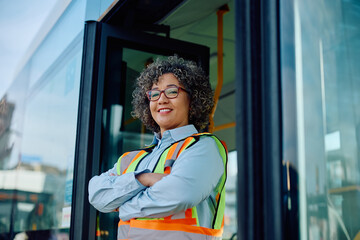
194 175
109 191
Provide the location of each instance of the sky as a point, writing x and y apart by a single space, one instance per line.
20 20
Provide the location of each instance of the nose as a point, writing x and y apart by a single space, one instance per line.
163 98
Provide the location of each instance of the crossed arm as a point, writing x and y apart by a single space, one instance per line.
149 179
193 177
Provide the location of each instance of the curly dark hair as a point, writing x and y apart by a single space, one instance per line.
191 76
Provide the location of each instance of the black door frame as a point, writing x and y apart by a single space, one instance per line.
88 141
258 119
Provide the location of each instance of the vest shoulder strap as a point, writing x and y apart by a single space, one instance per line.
125 161
169 155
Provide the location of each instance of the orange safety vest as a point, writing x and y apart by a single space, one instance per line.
183 225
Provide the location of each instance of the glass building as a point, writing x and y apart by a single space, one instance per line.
288 109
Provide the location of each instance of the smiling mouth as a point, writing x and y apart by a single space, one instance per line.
164 110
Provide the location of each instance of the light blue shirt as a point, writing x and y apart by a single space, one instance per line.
192 182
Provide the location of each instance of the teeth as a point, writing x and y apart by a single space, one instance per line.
164 110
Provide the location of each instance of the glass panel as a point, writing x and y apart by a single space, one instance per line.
321 103
61 34
38 127
48 146
36 185
122 133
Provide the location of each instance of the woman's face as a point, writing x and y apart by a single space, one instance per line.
170 113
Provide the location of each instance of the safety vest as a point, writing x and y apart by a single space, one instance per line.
183 225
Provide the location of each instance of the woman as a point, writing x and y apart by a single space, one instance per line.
174 188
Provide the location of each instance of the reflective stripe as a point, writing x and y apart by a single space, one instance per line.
172 155
120 162
187 142
223 153
171 151
137 229
126 159
123 230
195 215
219 214
177 149
169 220
139 233
169 163
160 165
136 160
184 217
156 225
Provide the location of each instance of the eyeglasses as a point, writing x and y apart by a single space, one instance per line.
170 92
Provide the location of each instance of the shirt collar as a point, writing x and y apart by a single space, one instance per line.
176 134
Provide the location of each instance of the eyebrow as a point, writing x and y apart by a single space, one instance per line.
170 85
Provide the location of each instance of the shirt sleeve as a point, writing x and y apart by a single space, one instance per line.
194 175
109 191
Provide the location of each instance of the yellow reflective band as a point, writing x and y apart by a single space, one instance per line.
118 166
160 165
195 215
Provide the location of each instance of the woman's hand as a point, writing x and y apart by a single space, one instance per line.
149 179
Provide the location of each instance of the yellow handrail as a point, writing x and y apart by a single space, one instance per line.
220 73
224 126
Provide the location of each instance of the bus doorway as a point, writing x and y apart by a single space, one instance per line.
113 59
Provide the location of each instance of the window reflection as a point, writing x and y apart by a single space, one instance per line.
321 92
6 145
36 192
